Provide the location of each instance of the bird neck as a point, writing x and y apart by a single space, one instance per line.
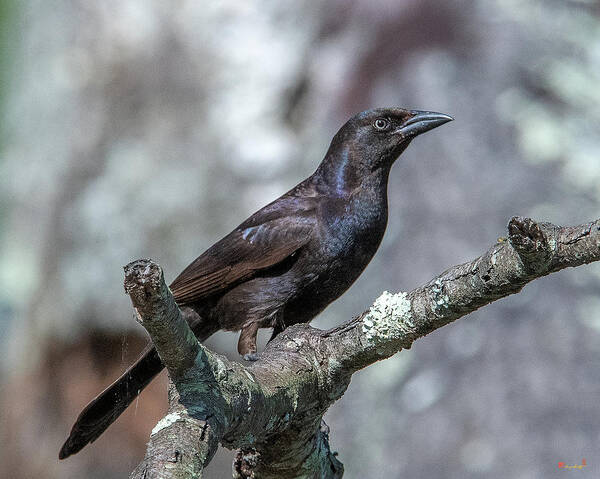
342 171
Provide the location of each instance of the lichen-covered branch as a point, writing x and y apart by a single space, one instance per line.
532 250
261 409
158 313
271 411
180 444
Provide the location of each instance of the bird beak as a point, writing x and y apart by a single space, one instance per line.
422 121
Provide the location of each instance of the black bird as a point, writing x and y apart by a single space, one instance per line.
289 260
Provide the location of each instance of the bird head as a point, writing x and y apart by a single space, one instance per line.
370 142
377 137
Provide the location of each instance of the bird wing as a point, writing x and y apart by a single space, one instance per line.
267 238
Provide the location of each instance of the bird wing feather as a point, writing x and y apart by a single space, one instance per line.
265 239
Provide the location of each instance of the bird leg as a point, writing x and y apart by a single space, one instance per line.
247 342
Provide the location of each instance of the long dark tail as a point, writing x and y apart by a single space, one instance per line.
110 403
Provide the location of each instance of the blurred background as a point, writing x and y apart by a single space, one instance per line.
145 128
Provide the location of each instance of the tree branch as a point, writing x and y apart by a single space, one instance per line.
394 321
158 313
272 410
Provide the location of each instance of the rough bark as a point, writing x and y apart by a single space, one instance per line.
272 411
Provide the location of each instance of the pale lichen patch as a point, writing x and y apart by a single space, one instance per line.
333 365
165 422
250 377
390 317
220 370
440 299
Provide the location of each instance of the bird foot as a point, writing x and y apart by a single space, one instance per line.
251 357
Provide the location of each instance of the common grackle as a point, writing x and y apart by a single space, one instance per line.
289 260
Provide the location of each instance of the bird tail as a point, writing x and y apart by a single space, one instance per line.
105 408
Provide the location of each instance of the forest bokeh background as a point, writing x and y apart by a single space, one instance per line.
145 128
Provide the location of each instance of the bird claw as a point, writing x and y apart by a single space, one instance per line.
251 357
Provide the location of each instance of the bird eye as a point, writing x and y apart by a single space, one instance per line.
381 124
